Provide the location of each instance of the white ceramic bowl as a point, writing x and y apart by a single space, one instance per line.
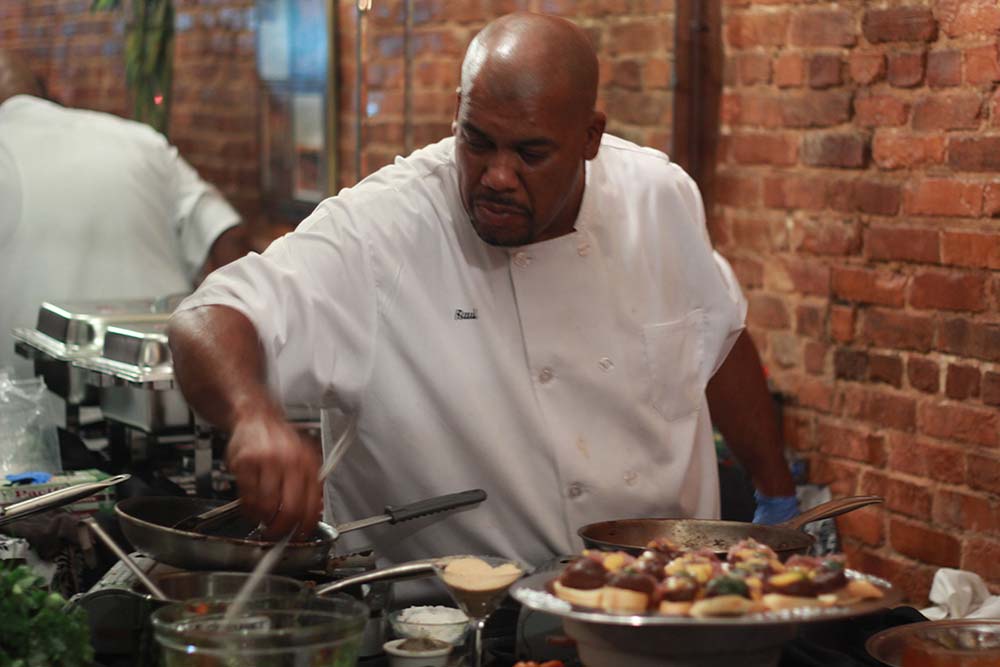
450 631
399 657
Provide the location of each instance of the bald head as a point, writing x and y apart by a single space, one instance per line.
525 56
16 77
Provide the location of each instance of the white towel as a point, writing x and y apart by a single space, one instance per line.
960 594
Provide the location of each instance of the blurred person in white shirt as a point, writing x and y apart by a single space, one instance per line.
94 206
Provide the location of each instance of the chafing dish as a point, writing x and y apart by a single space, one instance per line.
136 377
69 331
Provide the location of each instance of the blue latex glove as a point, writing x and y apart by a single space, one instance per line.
774 509
29 478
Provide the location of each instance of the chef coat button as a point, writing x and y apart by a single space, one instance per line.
522 259
545 375
631 477
606 364
575 490
583 249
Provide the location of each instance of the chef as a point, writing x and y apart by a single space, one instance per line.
531 306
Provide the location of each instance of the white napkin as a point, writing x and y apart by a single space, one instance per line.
960 594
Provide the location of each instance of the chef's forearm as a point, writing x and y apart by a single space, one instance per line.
743 410
219 364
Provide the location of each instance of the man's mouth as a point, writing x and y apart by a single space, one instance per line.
497 209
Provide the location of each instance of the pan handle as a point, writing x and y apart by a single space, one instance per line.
830 509
126 560
55 499
394 514
412 570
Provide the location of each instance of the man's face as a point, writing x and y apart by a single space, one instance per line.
520 166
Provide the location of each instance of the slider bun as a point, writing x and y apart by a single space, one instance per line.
778 601
723 605
864 590
579 596
675 608
624 600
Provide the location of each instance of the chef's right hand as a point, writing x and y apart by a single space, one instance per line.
276 470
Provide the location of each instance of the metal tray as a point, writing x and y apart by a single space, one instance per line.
976 641
77 327
69 331
531 592
647 640
135 375
136 353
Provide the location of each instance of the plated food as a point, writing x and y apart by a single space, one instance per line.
668 580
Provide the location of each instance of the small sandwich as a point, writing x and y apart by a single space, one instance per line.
703 565
653 563
857 590
665 546
806 582
752 551
677 594
725 596
612 561
582 582
628 591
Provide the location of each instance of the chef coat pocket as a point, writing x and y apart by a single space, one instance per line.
674 355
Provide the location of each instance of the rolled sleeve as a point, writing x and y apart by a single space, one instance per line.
202 215
311 297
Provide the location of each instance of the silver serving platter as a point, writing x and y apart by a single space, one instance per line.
531 592
655 640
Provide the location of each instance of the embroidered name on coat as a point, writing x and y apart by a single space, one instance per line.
466 314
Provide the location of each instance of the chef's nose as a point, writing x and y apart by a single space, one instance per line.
501 173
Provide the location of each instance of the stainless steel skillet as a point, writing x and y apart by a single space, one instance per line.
147 524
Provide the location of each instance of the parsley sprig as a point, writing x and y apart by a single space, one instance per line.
37 629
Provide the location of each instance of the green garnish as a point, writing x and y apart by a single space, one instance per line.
727 586
37 629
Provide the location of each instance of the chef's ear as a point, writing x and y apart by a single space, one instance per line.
595 130
458 104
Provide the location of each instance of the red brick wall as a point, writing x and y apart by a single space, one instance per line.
634 40
214 115
215 112
858 203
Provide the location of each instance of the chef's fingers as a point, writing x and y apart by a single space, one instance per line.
311 491
298 486
247 474
313 494
271 468
248 481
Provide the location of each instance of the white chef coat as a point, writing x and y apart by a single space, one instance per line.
93 206
566 377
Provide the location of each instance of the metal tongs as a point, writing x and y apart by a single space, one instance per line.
200 523
55 499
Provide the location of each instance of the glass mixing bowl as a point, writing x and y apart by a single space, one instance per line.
273 632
